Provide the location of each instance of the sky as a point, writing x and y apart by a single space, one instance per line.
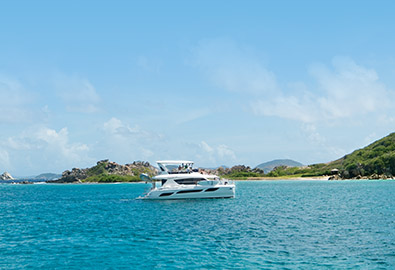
216 82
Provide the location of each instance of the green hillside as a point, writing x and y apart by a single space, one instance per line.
376 160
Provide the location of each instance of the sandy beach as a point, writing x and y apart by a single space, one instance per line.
321 178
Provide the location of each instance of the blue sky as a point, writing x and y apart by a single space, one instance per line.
217 82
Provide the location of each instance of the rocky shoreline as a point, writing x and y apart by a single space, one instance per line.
105 168
106 171
359 177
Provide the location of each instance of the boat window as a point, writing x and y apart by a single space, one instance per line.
163 182
189 181
189 191
166 194
211 189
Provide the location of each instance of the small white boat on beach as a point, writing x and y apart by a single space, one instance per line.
178 180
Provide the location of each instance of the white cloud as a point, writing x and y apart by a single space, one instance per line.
112 125
313 137
386 119
116 127
343 90
217 154
347 91
59 143
14 101
22 143
312 134
225 152
4 160
234 68
206 147
125 143
78 94
44 148
289 107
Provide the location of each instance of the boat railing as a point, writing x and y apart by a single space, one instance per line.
227 181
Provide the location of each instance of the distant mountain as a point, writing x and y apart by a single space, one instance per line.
270 165
48 176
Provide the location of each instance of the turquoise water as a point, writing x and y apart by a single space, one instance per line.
270 225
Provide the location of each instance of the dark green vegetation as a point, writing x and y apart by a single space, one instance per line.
270 165
108 178
288 171
239 172
376 160
110 172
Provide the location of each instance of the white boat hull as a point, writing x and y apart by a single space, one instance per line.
191 192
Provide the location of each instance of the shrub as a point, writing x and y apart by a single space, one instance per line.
111 178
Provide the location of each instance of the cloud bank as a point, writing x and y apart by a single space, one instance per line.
234 68
44 149
78 94
14 101
342 90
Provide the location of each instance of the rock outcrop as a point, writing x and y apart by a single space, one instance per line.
75 175
6 176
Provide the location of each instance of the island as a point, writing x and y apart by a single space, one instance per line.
375 161
106 171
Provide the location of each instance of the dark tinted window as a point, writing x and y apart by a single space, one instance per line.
188 181
189 191
165 194
211 189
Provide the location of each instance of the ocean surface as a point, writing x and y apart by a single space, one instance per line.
269 225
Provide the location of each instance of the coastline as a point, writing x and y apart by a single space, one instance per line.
318 178
315 178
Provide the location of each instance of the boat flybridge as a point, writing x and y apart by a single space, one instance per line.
178 180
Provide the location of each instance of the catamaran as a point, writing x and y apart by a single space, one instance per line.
178 180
